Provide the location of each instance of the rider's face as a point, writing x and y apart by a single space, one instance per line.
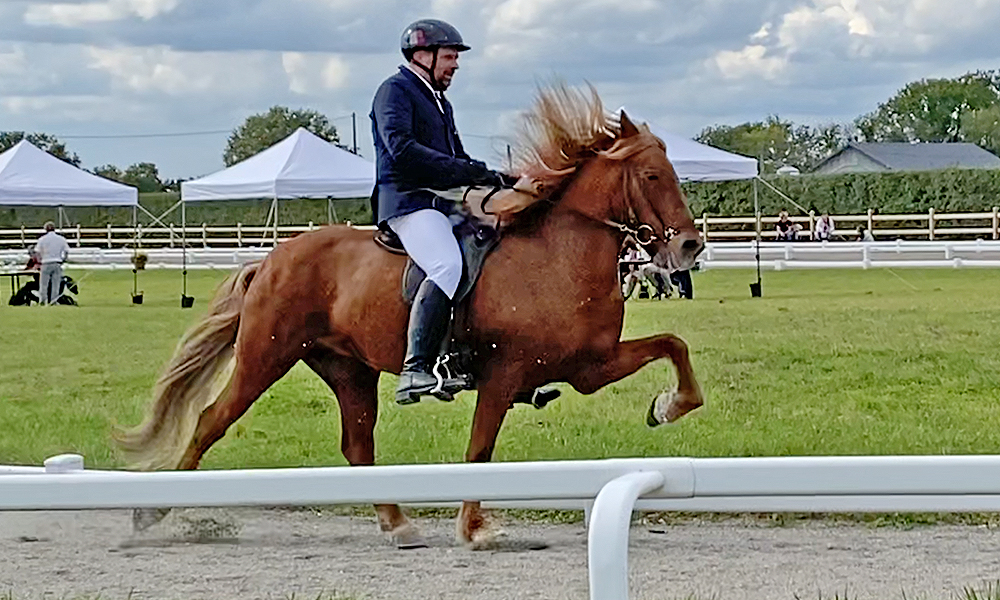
447 64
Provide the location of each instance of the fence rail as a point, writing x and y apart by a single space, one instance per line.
787 484
927 226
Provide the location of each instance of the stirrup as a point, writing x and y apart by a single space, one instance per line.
449 380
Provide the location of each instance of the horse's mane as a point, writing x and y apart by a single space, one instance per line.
562 128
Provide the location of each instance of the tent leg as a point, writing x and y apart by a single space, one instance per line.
186 301
136 296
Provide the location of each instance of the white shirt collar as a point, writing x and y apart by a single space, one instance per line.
423 77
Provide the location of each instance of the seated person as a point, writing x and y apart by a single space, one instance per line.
785 228
864 235
824 228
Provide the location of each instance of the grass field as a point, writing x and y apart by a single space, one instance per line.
828 362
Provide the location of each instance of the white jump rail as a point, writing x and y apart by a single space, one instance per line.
793 484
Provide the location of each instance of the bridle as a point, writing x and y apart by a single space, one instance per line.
643 233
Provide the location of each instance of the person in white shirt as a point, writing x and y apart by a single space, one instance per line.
52 250
824 228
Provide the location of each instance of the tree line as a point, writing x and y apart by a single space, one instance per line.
960 109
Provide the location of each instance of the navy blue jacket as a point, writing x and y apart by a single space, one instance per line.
416 146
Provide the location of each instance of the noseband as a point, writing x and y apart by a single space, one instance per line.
643 233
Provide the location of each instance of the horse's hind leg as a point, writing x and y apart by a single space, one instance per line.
629 357
356 387
258 362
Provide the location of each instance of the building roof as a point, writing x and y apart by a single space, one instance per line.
902 156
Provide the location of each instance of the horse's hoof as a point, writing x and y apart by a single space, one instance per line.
144 518
543 396
668 407
486 538
407 537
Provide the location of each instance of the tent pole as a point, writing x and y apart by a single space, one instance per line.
756 213
184 270
275 221
267 223
135 253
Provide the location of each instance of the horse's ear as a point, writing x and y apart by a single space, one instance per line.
628 127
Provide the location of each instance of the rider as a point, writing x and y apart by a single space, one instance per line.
418 150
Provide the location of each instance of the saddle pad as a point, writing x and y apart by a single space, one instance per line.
476 241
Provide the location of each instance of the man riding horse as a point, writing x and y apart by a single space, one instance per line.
418 151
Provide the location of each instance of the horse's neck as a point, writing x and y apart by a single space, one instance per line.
586 248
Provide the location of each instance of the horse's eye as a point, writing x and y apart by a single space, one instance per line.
652 177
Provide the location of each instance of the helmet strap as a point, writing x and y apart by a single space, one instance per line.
430 71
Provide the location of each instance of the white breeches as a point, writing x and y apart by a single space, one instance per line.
428 239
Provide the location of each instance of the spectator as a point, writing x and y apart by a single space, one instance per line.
682 279
785 228
864 235
824 228
52 251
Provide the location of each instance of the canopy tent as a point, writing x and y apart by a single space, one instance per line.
694 161
303 165
29 176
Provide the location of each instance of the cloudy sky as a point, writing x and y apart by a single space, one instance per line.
82 69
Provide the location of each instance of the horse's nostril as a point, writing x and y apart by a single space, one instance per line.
691 245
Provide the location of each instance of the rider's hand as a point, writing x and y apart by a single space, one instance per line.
499 179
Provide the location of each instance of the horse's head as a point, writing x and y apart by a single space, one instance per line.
651 207
622 169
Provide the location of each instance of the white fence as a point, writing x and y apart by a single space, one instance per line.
928 226
717 255
794 484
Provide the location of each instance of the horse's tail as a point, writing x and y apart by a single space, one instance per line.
199 373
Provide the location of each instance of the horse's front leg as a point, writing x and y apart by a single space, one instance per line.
628 357
474 527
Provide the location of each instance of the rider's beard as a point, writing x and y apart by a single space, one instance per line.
445 78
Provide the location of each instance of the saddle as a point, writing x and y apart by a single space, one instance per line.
475 226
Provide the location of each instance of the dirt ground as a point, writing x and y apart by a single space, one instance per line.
279 554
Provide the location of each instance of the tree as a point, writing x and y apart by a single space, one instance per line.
930 110
982 127
49 143
775 142
263 130
109 172
144 176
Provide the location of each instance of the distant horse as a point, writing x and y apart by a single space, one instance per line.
548 307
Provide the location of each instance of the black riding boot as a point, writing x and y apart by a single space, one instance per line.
430 317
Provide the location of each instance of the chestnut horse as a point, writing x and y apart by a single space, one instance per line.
547 308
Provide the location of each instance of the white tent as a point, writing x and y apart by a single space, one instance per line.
694 161
302 165
32 177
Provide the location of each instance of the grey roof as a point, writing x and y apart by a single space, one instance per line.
901 156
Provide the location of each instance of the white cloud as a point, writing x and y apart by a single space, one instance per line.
751 61
311 73
162 70
65 14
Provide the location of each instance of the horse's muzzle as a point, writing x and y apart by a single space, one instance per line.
683 249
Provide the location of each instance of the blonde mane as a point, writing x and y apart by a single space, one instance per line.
563 127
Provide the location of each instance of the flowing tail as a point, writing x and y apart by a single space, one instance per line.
199 373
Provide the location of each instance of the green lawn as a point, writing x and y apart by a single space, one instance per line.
828 362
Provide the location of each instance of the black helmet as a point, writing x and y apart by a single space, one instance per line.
427 34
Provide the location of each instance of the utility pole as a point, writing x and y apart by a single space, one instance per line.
354 131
